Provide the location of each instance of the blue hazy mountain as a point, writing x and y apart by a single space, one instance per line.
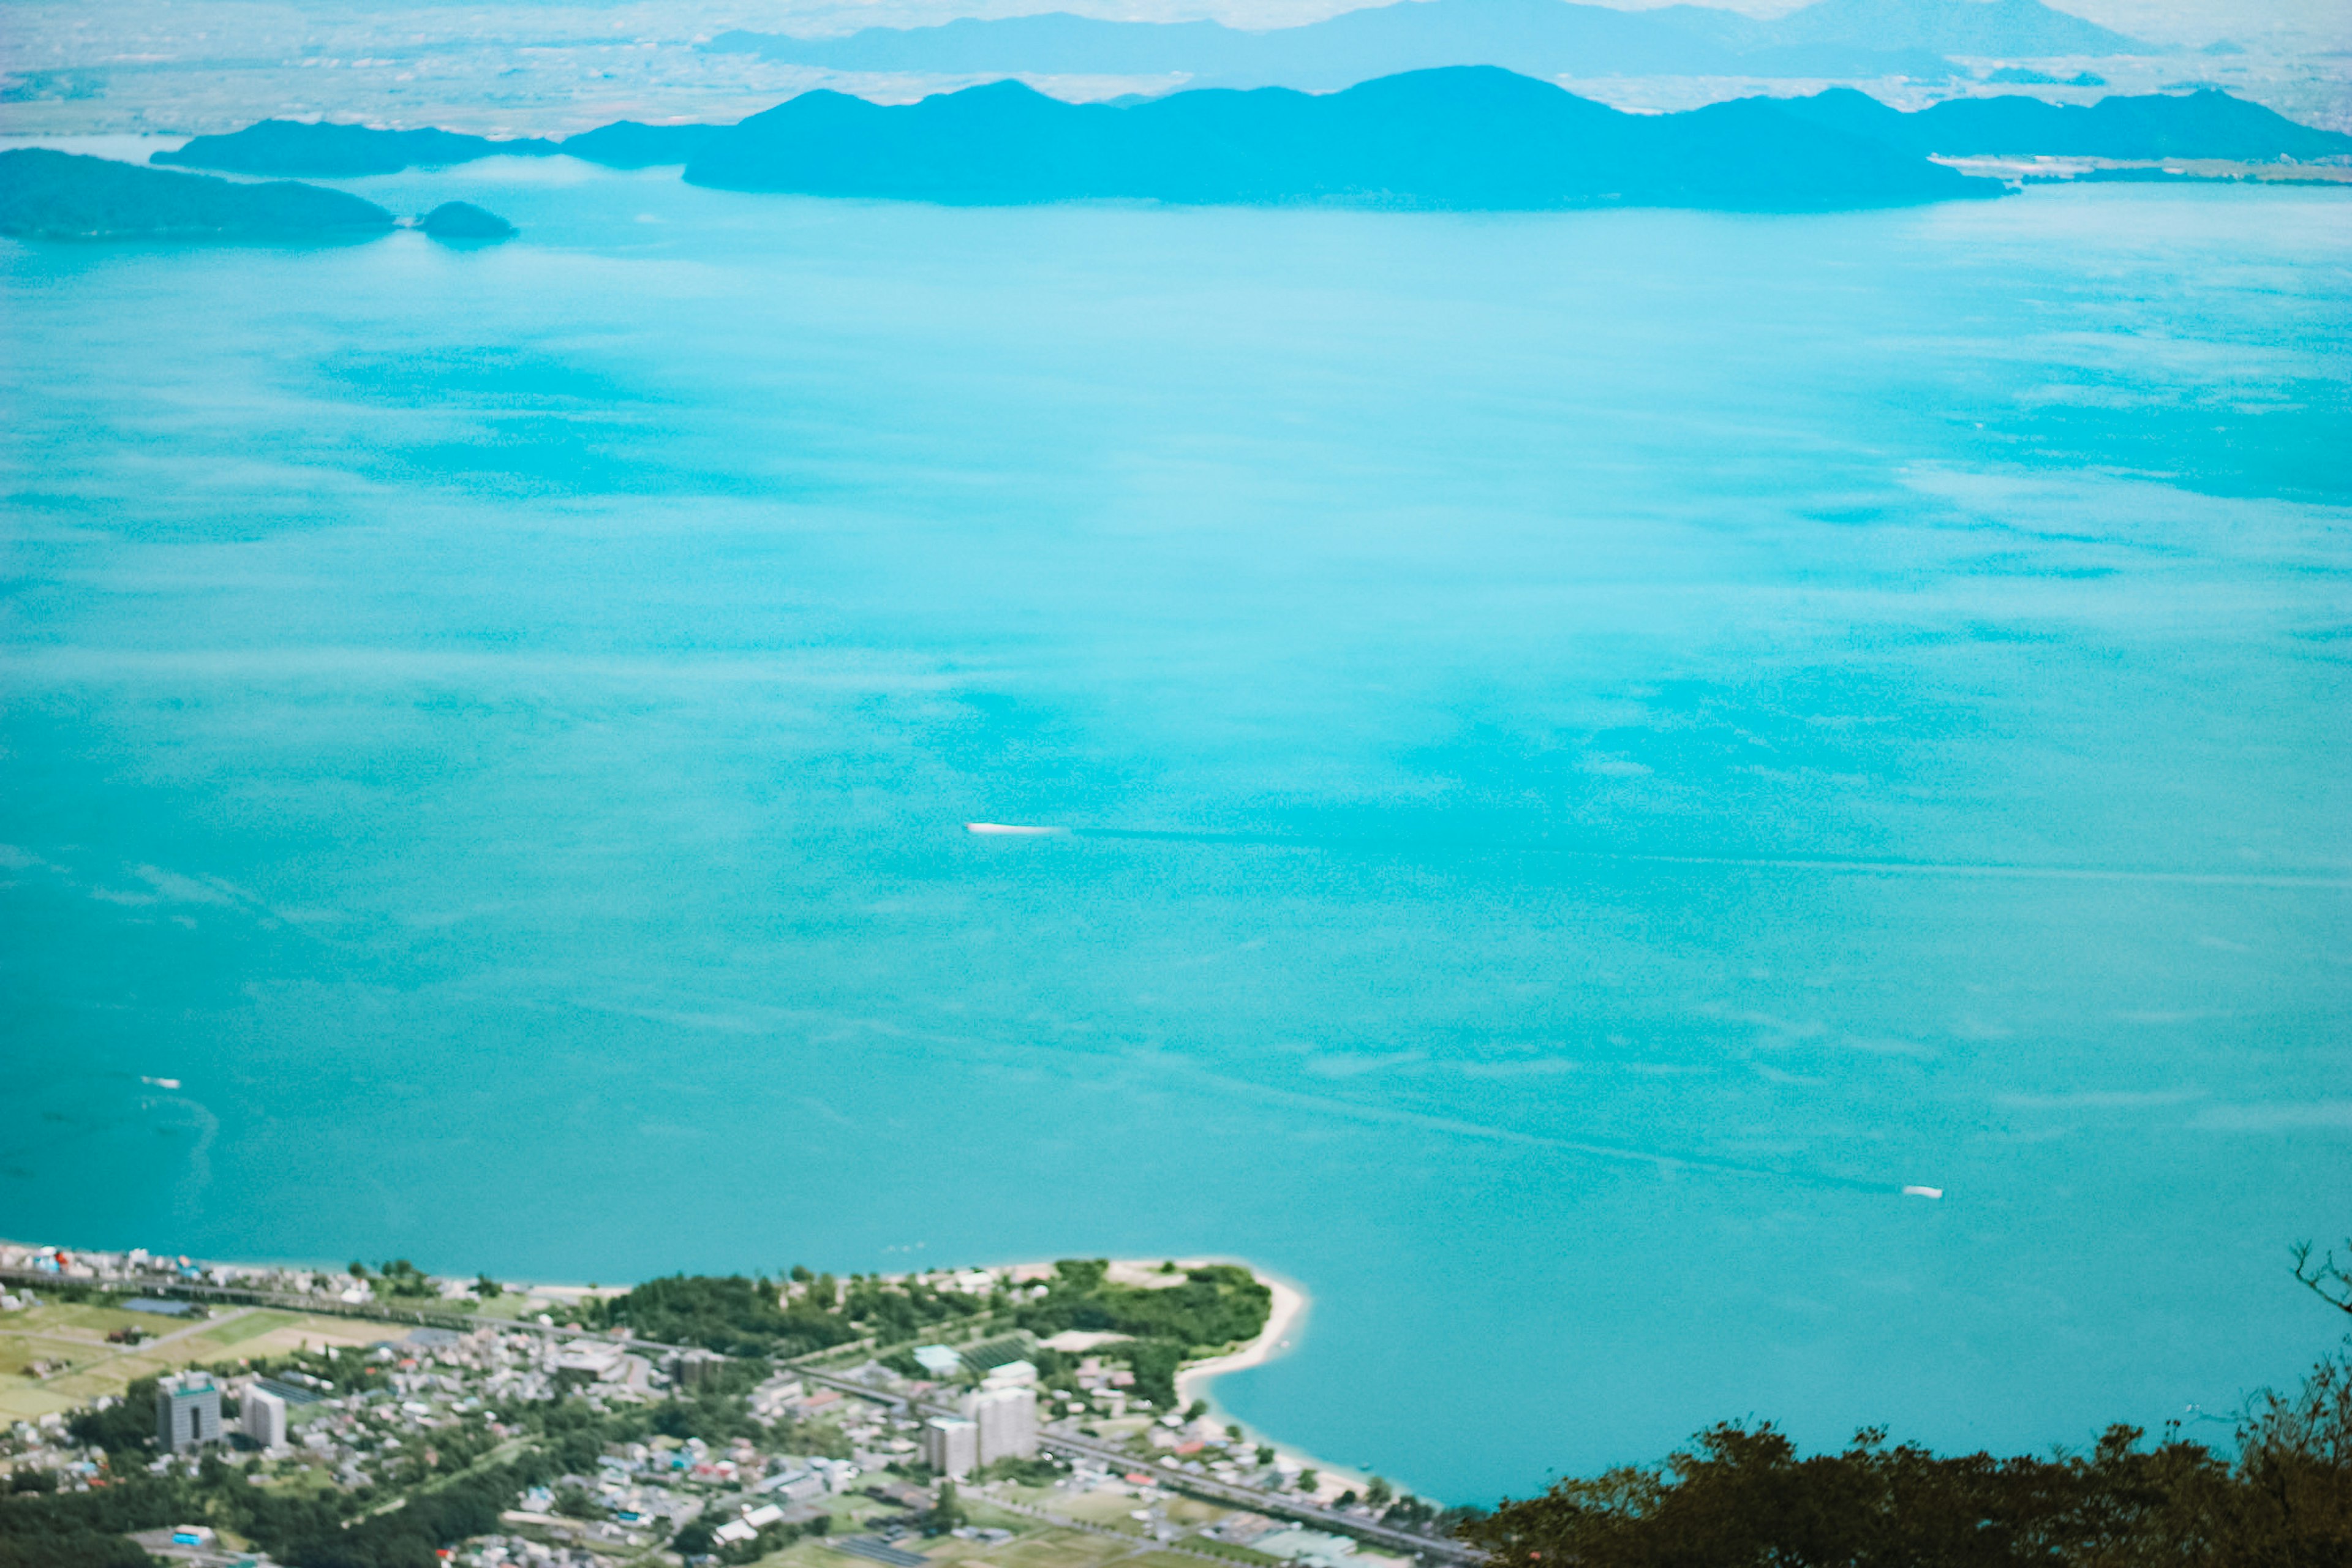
1542 37
2205 124
328 151
627 145
63 195
1995 27
1461 137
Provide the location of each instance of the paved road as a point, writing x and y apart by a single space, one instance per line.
1258 1500
1281 1505
1142 1544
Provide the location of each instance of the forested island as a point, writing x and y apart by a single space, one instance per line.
323 150
47 195
1466 138
1471 138
464 221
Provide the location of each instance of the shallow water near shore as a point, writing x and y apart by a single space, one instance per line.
1599 748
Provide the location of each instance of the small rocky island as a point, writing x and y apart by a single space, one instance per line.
47 195
464 220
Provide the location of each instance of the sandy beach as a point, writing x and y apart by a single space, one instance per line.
1282 1324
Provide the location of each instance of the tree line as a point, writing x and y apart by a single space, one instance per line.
2279 1495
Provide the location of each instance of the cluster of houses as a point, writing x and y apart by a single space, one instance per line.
139 1267
522 1552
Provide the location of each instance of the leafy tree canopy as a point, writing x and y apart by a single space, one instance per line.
729 1313
1742 1495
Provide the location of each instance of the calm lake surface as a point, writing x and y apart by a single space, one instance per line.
1600 748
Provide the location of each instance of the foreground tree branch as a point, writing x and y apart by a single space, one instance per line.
2330 1283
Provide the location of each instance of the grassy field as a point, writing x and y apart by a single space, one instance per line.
74 1336
1106 1506
244 1327
69 1320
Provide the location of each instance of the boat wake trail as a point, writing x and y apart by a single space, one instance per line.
1842 865
1663 1160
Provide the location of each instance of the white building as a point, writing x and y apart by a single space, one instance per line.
1011 1374
951 1446
598 1359
188 1412
796 1483
939 1360
262 1415
1312 1548
1006 1415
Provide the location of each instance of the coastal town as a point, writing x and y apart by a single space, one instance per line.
951 1417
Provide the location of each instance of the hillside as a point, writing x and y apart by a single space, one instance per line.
47 195
328 151
325 151
2008 28
1469 137
2207 124
626 144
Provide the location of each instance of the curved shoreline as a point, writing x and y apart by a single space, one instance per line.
1282 1324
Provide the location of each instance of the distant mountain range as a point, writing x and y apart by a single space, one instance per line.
1458 137
2205 124
1832 38
45 194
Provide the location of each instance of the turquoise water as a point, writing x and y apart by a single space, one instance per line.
1603 746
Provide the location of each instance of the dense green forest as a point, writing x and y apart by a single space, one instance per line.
730 1313
1200 1310
1217 1305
